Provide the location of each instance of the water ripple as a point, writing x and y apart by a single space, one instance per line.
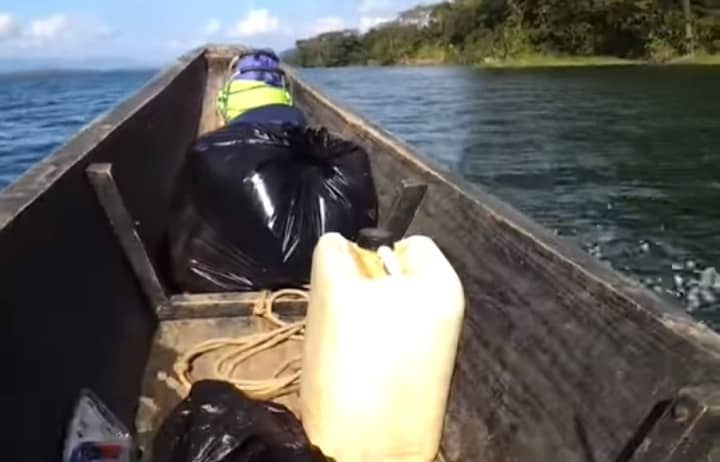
626 160
40 111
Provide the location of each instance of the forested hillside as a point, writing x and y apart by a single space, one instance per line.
476 31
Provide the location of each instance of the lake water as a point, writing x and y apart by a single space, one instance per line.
627 160
39 111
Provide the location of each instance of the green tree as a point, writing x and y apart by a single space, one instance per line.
475 30
330 49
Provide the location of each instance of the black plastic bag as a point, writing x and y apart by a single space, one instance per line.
218 423
254 199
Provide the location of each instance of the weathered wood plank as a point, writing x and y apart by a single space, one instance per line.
74 314
687 430
404 208
218 59
100 175
560 358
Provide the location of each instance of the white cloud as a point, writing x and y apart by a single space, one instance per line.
256 22
50 28
327 24
212 27
9 27
62 27
59 34
368 22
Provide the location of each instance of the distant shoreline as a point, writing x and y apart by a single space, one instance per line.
593 61
532 61
73 70
540 61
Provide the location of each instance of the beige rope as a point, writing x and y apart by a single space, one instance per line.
235 351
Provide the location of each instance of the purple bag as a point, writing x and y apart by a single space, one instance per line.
260 65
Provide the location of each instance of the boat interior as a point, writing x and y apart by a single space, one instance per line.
560 357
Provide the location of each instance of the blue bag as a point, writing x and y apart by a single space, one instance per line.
260 65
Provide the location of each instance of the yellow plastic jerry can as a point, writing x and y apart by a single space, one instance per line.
381 337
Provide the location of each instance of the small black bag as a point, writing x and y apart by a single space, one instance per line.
218 423
255 198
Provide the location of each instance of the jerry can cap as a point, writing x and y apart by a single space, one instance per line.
374 238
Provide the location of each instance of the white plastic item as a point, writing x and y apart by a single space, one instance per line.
379 349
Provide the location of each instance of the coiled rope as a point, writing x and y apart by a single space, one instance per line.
235 351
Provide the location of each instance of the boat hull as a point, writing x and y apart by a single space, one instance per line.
560 357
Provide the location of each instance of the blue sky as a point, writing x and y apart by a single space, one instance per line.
158 30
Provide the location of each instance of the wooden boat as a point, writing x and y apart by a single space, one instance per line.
561 359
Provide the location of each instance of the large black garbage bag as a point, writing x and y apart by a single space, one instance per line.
218 423
254 199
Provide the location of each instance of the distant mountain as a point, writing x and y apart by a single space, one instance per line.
41 64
